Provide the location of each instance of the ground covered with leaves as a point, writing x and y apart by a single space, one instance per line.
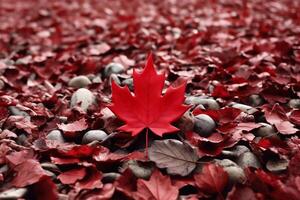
222 123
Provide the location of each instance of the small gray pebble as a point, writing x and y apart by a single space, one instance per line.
2 84
255 100
113 68
277 165
245 108
139 171
294 103
91 76
236 174
84 97
51 174
266 130
110 177
186 197
114 78
50 166
13 193
225 162
93 135
204 125
236 151
17 112
248 159
79 82
3 169
22 140
129 83
55 135
97 79
203 100
63 119
200 106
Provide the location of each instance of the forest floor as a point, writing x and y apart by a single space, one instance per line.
60 135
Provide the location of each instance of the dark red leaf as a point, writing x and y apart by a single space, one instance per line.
245 192
27 173
159 187
212 179
71 176
79 125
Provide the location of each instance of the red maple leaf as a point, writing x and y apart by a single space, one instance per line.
159 187
213 179
147 107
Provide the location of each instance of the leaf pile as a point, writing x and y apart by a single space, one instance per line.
63 64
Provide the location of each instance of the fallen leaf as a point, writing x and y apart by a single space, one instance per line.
71 176
27 173
242 191
159 187
20 122
92 180
212 179
294 165
45 189
286 127
277 116
79 125
126 183
177 157
122 59
247 126
295 117
148 108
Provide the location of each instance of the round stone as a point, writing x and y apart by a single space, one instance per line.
83 97
277 165
129 83
255 100
245 108
236 174
56 135
2 84
113 68
114 78
93 135
204 125
236 151
50 166
186 122
110 177
22 140
17 112
13 193
266 130
79 82
143 172
248 159
204 101
294 103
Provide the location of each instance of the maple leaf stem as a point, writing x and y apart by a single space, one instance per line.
146 145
